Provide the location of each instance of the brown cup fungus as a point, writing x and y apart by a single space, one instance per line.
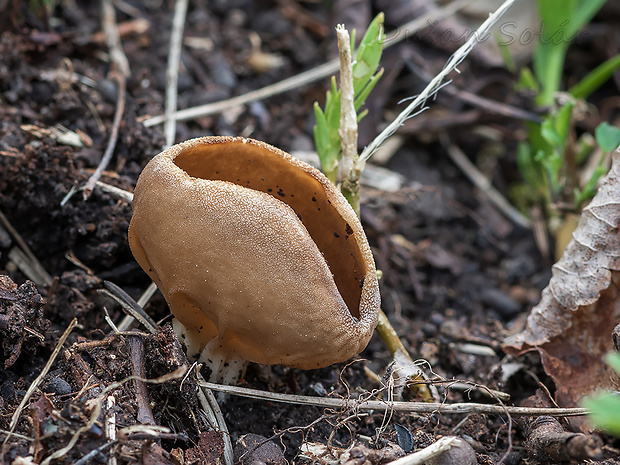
258 255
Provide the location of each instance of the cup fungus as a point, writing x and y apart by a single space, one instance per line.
258 255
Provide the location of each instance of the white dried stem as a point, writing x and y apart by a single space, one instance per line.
423 456
172 71
110 425
348 116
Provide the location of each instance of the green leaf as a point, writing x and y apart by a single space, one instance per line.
589 190
607 137
595 78
585 11
530 169
561 20
551 135
613 360
605 410
361 98
321 132
368 54
527 81
361 115
563 119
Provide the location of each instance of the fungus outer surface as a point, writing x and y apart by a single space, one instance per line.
256 253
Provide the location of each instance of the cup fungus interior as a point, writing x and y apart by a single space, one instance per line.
269 170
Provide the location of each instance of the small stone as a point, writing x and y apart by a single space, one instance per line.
58 386
501 302
461 453
253 448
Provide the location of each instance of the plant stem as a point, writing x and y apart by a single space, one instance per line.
350 188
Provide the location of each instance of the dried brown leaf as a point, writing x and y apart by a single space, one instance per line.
571 327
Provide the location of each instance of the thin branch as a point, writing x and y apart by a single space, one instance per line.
119 72
485 186
435 84
35 384
172 71
109 150
306 77
113 39
411 407
42 277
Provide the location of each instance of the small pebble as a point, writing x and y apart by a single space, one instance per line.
501 302
461 453
5 238
108 90
247 451
58 386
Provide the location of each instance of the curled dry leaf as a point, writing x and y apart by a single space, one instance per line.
572 325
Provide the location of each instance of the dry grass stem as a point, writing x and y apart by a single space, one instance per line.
306 77
484 185
216 418
109 150
129 306
431 89
35 384
113 38
172 70
110 425
119 72
122 193
142 301
41 276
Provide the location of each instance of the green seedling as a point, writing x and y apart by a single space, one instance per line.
561 21
605 408
552 157
365 77
608 140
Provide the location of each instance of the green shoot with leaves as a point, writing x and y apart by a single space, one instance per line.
365 77
551 159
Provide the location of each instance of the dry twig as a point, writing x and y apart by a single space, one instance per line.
32 266
109 151
172 71
410 407
484 185
306 77
119 72
35 384
145 414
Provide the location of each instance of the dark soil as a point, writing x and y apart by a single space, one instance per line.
454 269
